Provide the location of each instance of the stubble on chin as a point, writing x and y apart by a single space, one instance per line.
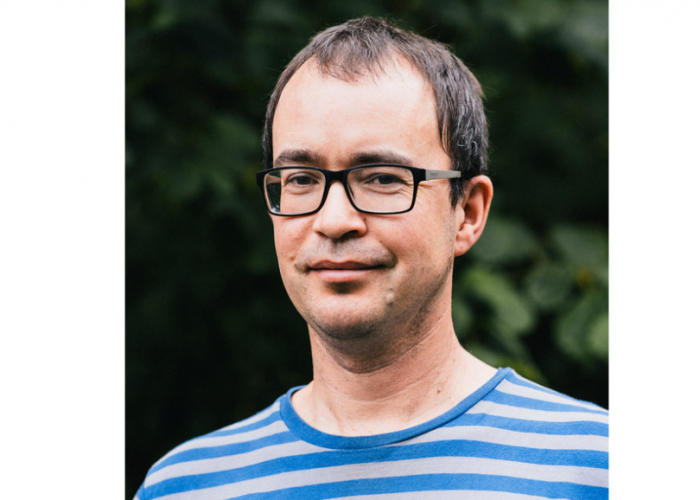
357 348
337 325
366 340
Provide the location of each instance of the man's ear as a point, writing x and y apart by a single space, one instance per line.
472 211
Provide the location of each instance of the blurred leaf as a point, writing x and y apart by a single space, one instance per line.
598 337
455 13
573 330
585 31
512 316
549 286
526 16
586 250
581 25
226 153
277 13
504 241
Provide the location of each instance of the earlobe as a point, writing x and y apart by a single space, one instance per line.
472 213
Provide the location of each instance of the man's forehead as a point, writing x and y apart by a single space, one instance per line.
389 117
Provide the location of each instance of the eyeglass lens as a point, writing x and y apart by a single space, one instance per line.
381 189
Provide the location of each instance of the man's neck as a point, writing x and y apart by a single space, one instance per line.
350 396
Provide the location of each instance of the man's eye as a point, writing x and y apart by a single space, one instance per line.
384 179
300 180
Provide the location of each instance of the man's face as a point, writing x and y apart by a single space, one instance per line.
352 275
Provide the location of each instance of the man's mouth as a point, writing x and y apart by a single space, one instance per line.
344 271
327 265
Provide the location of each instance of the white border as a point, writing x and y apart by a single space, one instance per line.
655 242
62 249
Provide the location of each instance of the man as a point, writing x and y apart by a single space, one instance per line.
375 146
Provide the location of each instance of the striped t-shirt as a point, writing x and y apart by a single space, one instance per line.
510 440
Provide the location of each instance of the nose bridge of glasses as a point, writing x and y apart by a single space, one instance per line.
341 176
335 175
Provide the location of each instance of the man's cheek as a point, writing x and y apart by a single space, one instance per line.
286 245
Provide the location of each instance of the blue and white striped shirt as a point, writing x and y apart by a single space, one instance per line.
510 440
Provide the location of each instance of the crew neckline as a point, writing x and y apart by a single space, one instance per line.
305 432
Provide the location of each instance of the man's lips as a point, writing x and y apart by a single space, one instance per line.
327 265
342 272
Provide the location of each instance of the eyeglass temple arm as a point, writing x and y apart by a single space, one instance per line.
442 174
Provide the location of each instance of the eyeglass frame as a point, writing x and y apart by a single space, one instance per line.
419 175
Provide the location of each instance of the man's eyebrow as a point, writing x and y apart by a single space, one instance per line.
311 157
365 158
297 156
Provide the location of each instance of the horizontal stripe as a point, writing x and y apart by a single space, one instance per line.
518 379
273 408
456 442
538 393
209 441
536 404
446 495
514 438
229 462
430 483
527 414
533 426
227 436
405 468
226 450
408 453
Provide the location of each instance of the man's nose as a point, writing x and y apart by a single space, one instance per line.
338 218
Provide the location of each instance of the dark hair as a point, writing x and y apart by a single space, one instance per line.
360 47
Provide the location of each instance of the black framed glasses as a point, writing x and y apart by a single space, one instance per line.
371 189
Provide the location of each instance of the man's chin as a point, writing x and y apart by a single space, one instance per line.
346 326
346 330
354 316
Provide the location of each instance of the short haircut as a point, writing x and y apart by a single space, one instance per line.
359 47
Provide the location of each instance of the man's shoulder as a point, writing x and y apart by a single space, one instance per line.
261 424
540 397
258 430
519 406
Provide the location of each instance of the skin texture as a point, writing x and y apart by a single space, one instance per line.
375 290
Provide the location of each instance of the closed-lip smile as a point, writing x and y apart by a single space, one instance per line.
348 271
327 265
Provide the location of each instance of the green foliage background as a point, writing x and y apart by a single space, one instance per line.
211 335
